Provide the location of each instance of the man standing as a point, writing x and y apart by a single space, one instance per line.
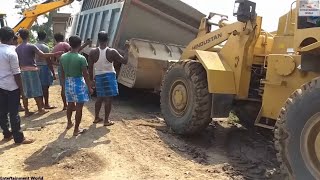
65 47
14 45
10 88
29 71
46 71
101 61
75 76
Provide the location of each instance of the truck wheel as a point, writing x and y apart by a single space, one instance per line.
297 133
185 100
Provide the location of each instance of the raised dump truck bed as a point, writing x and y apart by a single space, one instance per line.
157 31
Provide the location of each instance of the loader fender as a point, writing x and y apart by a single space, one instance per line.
220 76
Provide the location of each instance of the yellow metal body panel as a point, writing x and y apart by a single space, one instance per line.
279 87
238 52
310 47
303 34
286 25
220 75
264 44
211 39
233 62
282 43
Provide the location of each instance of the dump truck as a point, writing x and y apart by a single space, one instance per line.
270 80
157 32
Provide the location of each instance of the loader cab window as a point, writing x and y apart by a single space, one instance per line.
308 22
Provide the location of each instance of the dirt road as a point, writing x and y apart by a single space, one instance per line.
138 146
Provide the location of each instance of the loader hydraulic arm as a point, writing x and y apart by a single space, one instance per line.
31 14
212 39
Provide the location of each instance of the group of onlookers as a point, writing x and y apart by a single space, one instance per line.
27 71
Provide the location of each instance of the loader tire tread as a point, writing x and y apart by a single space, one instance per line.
281 131
199 116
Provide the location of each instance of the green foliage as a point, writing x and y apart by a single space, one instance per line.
47 26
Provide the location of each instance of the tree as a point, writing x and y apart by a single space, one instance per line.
22 5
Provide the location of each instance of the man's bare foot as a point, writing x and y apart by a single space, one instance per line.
108 123
49 107
97 120
77 132
28 114
42 112
21 109
6 139
27 141
69 126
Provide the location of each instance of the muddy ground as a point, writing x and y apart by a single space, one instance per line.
138 146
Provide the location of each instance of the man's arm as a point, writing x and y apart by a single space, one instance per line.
50 65
46 55
49 62
87 79
115 55
91 60
15 69
62 75
85 74
88 42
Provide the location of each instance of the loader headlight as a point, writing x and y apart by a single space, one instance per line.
244 10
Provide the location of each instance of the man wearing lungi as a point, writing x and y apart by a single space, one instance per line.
14 45
101 64
29 71
65 47
75 76
10 89
46 71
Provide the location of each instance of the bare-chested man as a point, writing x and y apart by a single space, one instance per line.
101 62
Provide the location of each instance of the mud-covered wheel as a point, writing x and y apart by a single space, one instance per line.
185 100
297 133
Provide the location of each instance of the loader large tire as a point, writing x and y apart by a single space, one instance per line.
185 100
297 133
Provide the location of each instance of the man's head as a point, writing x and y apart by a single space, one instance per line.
75 42
6 35
59 37
15 40
24 34
103 37
42 35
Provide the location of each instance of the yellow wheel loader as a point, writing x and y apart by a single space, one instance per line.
269 80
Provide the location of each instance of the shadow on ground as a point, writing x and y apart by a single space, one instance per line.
54 152
131 104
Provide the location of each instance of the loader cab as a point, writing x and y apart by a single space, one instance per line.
244 10
308 14
307 34
3 21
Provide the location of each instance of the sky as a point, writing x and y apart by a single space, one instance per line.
270 10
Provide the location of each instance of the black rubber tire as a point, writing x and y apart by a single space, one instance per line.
299 108
197 114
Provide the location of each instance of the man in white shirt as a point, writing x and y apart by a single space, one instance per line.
10 88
